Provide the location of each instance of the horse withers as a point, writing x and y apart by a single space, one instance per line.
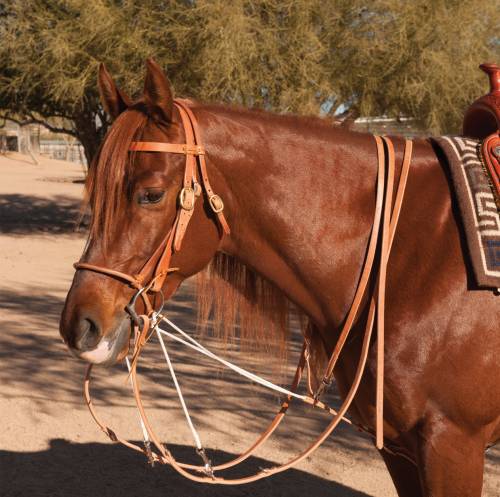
299 195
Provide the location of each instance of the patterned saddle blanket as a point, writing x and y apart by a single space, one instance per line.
478 204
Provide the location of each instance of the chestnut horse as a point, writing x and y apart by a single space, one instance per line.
299 196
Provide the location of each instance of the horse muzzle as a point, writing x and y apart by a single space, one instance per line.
105 350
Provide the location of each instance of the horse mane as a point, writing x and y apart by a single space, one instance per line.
108 175
240 304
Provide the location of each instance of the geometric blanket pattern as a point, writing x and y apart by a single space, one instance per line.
477 205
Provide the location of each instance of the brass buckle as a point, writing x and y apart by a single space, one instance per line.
216 203
187 198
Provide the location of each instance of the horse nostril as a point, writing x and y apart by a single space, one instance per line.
93 328
88 334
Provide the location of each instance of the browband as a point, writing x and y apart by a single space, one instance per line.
173 148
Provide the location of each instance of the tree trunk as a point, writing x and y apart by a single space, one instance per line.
89 133
90 141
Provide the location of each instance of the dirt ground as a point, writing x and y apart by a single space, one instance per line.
49 445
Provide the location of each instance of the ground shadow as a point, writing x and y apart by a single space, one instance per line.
17 158
83 470
32 302
30 214
40 363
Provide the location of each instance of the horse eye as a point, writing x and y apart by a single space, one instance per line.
150 196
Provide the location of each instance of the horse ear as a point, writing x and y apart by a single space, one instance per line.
157 93
114 101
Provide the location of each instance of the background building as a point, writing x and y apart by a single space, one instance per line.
34 139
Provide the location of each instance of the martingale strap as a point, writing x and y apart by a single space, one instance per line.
384 226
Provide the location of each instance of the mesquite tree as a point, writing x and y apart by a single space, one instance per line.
391 57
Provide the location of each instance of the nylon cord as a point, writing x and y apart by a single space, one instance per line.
179 391
193 344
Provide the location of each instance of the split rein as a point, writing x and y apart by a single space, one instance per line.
385 221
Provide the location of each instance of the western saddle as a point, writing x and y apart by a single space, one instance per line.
482 121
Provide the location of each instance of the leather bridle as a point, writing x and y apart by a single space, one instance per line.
385 221
158 265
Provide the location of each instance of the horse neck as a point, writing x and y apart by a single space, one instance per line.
299 195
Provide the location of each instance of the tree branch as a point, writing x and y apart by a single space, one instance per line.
34 120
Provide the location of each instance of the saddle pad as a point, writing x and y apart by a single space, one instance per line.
477 206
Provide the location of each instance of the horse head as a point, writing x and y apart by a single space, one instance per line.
142 210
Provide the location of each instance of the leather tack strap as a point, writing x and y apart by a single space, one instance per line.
134 281
382 208
381 238
173 148
158 264
163 264
380 295
189 181
215 201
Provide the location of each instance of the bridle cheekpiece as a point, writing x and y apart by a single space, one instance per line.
158 265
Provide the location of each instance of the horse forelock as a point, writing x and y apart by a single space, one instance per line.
109 174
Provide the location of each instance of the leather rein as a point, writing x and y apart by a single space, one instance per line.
385 221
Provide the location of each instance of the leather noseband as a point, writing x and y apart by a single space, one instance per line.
158 265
